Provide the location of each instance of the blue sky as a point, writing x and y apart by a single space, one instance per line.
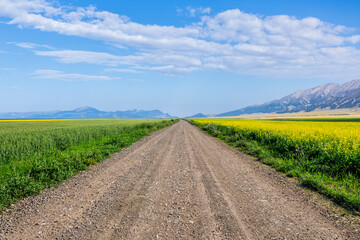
182 57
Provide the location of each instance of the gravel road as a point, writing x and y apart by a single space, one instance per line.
178 183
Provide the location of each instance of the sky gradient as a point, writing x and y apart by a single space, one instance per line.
182 57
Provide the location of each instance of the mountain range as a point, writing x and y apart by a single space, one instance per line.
328 96
86 112
202 115
324 97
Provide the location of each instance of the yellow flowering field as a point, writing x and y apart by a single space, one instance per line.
328 152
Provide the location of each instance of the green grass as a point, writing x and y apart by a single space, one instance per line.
37 155
342 187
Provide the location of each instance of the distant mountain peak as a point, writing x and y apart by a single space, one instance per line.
85 109
201 115
354 84
325 96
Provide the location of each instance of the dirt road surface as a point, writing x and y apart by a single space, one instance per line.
179 183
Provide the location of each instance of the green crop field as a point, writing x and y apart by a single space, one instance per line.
323 154
37 154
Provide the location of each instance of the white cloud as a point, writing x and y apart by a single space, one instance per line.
206 10
169 69
193 12
233 41
122 70
58 75
29 45
117 45
69 56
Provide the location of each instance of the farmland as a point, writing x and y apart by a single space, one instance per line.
178 183
344 114
323 154
37 154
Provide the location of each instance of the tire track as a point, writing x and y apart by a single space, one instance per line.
229 219
207 217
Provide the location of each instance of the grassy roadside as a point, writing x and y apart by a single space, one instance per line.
342 188
35 157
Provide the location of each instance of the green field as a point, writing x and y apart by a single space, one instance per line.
324 154
38 154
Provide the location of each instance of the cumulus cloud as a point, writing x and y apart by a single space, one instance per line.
233 41
59 75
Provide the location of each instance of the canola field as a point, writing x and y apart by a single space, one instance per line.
324 155
37 154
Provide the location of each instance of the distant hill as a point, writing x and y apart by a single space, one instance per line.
200 115
86 112
324 97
